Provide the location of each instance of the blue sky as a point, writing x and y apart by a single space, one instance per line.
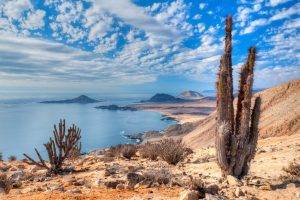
142 46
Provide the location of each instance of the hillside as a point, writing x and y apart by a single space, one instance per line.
280 115
190 95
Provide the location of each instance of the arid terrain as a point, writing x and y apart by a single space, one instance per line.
99 176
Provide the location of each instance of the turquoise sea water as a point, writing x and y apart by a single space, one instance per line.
25 123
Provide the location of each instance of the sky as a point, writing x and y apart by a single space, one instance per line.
142 46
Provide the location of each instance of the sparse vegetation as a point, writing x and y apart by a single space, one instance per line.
5 183
236 137
172 151
149 150
161 176
114 151
128 151
59 148
12 158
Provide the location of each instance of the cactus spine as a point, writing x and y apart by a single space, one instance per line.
236 138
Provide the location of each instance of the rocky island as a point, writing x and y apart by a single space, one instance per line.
163 98
82 99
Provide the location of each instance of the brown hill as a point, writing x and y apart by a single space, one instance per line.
280 115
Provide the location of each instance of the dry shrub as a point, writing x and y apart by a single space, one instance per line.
197 185
1 156
5 183
172 151
114 151
150 150
128 151
160 176
293 170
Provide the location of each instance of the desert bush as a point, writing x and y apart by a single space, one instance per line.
128 151
113 151
197 184
149 150
5 183
172 151
1 156
12 158
160 176
59 148
293 170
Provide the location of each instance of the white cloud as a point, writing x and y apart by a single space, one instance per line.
100 29
201 27
136 16
202 6
277 2
253 25
286 13
34 20
15 8
196 17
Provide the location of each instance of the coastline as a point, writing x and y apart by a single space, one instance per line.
186 114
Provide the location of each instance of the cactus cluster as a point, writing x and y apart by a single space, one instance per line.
236 134
60 148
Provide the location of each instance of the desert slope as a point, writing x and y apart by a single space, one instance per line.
280 115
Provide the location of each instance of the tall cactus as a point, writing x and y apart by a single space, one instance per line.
236 138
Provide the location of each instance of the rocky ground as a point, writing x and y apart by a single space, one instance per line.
102 177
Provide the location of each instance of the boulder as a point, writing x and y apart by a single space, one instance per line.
189 195
232 181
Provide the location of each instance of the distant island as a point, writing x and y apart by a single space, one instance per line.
163 98
82 99
116 107
192 95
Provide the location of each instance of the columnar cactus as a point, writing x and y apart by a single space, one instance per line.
60 148
236 137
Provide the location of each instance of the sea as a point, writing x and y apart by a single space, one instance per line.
26 124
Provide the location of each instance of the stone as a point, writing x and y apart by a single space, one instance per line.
120 186
189 195
291 185
238 192
212 189
111 184
79 182
213 197
76 191
232 181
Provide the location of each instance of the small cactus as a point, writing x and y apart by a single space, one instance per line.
236 137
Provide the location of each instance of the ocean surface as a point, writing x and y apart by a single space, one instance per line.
26 124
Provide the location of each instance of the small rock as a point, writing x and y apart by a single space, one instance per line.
231 180
238 192
189 195
291 185
76 191
111 184
120 186
213 197
266 186
79 182
212 189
